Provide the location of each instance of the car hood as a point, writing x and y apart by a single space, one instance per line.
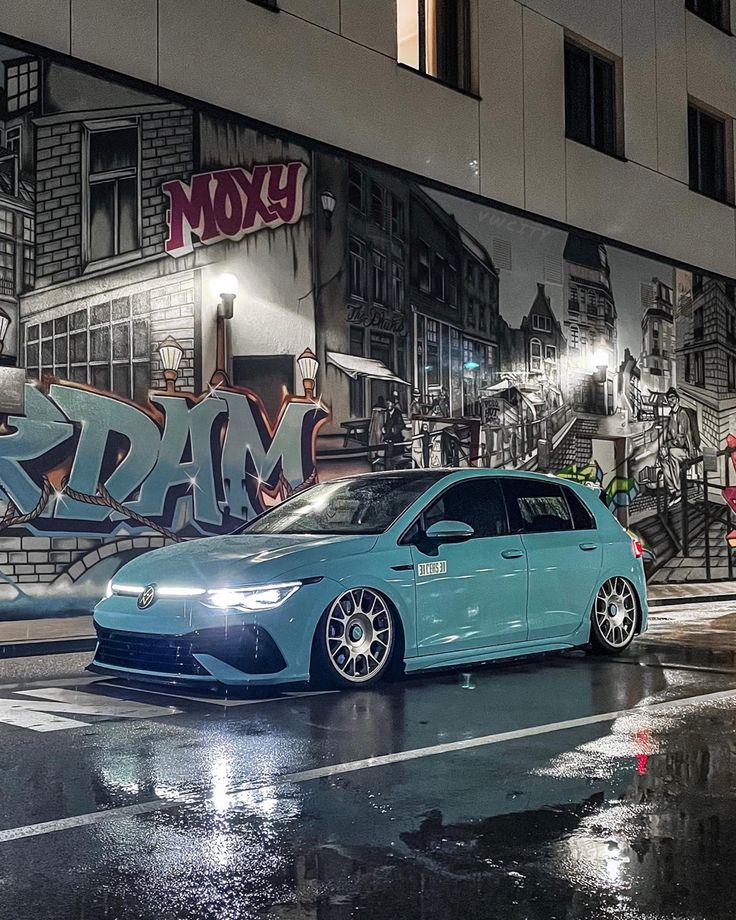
214 562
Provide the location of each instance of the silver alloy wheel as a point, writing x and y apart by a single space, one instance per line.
360 635
615 612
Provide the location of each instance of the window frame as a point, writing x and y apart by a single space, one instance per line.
723 23
507 483
595 52
465 50
98 127
407 539
362 258
702 110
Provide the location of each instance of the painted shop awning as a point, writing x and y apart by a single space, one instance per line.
355 366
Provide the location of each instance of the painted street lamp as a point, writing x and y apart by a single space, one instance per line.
170 353
308 366
226 288
4 324
328 207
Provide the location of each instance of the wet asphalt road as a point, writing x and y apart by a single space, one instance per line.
139 805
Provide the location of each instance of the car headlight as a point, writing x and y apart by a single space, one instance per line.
260 597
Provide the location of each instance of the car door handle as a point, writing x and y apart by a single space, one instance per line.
512 553
587 547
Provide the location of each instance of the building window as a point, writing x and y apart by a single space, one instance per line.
591 99
380 280
731 326
550 353
29 252
541 323
470 320
357 387
21 84
699 369
535 355
14 140
710 152
451 285
716 12
698 323
397 284
112 178
356 188
432 366
7 267
574 302
397 217
731 372
434 38
378 204
104 346
357 268
425 271
438 277
574 336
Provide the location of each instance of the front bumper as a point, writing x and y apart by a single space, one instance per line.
182 640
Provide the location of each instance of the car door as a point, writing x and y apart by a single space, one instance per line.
563 551
469 594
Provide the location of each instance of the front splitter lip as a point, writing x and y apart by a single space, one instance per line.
201 680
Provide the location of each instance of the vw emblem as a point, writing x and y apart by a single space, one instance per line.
147 597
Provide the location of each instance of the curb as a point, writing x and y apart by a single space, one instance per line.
690 599
31 647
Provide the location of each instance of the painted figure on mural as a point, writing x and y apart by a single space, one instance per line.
393 434
416 407
376 424
680 445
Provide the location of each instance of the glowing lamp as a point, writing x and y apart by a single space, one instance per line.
308 366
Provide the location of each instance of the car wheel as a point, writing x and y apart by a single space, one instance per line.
355 640
614 617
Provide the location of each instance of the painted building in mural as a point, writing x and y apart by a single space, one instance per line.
376 324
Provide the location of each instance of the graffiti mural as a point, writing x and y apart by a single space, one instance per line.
207 317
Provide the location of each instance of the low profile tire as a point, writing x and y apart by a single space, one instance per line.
614 617
356 641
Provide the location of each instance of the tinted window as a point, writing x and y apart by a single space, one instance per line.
582 519
478 502
536 507
364 504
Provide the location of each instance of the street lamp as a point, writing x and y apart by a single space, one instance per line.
226 288
4 324
170 353
308 366
328 207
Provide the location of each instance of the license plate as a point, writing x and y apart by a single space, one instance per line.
432 568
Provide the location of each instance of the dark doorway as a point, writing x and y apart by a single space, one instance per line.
265 375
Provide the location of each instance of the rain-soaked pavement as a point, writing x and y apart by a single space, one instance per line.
552 788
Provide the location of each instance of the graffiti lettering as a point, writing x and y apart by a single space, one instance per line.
185 463
229 203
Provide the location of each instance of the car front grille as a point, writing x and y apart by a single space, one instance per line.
248 648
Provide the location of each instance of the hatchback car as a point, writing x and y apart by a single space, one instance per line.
358 577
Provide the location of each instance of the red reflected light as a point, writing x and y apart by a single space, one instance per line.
637 548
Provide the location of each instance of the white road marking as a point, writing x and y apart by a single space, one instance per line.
303 776
214 701
40 713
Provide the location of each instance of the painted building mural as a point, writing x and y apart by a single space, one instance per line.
198 319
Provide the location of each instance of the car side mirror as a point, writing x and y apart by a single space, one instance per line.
449 531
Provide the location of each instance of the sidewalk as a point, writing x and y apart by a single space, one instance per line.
692 593
54 635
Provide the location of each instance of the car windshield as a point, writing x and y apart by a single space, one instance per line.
362 505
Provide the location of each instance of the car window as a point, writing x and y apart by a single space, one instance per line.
582 518
477 502
360 505
535 506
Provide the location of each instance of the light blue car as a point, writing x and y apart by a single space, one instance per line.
359 577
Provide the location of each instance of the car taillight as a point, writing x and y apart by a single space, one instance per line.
636 548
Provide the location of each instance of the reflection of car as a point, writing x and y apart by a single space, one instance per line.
357 576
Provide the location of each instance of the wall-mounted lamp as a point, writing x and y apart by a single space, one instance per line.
308 367
226 288
328 207
170 354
